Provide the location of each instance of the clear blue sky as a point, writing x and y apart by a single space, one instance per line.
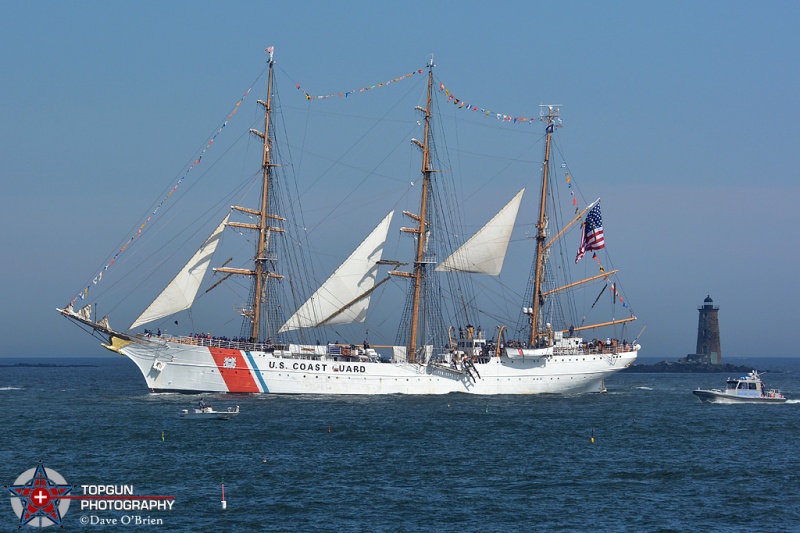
682 115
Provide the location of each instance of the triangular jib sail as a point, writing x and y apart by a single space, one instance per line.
181 291
485 252
347 285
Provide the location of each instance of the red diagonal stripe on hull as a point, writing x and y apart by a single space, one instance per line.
239 379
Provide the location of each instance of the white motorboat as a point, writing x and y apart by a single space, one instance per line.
208 412
744 389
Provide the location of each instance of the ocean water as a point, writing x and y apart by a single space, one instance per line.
660 460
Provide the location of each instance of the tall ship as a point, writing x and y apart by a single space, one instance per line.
443 343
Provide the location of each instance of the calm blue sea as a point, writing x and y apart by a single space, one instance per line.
660 460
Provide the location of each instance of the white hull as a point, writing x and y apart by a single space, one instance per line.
174 367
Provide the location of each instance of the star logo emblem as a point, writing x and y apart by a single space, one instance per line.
38 494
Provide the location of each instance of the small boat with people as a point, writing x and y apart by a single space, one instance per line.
203 410
744 389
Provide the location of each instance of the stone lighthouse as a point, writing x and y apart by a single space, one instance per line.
708 346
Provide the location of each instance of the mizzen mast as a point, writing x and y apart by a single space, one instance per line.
552 122
260 272
550 115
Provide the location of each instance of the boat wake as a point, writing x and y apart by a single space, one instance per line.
792 401
10 388
645 388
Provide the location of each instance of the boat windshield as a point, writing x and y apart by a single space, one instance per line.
732 385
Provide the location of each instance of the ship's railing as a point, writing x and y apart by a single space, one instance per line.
595 349
224 343
283 349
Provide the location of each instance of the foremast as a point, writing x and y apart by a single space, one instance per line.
261 273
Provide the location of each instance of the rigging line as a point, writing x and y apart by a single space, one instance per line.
142 274
559 261
207 215
85 292
339 163
352 147
334 114
196 182
286 174
446 188
192 184
213 209
449 228
510 161
509 299
309 231
198 229
574 183
490 315
297 215
209 140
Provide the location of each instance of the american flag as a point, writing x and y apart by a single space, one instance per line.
592 234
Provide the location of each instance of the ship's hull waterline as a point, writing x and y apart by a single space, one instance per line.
173 367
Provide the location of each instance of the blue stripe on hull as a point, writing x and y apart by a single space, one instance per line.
257 372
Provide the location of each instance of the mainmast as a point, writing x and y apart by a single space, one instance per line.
552 122
421 230
261 273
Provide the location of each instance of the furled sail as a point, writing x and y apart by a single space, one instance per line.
181 291
341 299
485 251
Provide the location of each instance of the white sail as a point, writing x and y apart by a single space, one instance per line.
182 290
356 276
485 251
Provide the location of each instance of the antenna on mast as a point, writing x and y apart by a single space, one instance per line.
552 114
